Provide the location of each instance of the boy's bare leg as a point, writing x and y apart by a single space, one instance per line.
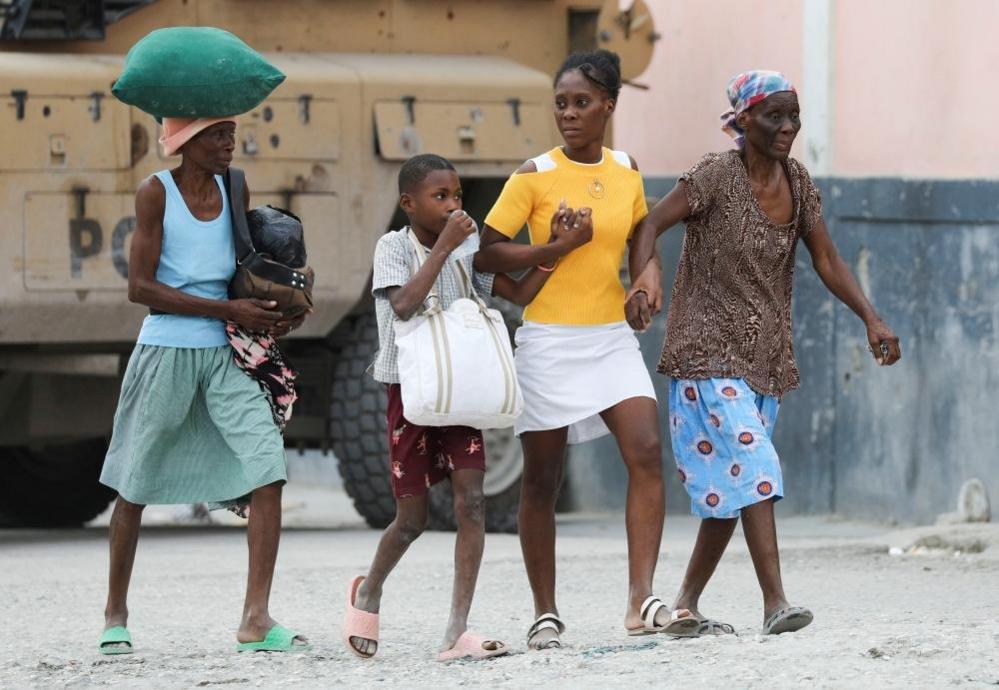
544 460
470 514
761 538
635 425
123 539
263 534
410 521
712 539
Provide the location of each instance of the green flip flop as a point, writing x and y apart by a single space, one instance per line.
278 639
113 636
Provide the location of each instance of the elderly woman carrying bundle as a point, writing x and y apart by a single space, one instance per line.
192 425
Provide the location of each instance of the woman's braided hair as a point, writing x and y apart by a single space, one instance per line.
601 67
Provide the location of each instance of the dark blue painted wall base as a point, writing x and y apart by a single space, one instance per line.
857 439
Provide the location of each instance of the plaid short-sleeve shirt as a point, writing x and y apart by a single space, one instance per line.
394 265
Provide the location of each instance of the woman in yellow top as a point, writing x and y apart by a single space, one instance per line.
578 361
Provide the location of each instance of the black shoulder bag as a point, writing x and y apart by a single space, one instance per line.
270 260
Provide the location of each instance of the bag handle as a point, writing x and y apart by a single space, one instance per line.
421 257
235 185
468 287
234 181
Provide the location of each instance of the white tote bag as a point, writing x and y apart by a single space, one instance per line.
456 365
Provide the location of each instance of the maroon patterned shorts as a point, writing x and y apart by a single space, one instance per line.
421 456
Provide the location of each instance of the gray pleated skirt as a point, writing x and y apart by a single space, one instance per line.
191 427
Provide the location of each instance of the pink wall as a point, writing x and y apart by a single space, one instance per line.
703 45
911 91
915 82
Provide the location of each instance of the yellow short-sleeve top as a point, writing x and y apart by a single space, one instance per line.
586 286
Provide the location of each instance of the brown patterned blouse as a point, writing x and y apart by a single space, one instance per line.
730 312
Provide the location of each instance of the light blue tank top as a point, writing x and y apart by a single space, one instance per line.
198 258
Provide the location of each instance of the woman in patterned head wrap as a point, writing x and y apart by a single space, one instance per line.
728 349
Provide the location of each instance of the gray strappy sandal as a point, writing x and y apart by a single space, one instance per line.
713 627
787 620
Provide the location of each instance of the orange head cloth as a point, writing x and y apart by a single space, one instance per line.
177 131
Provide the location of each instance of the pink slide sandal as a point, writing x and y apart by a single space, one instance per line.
358 623
473 646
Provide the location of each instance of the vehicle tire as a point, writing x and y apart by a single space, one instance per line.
357 425
56 486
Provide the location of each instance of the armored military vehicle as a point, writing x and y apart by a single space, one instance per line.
370 83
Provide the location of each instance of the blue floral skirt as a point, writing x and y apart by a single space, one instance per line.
720 430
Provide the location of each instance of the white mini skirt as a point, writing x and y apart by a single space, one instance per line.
570 374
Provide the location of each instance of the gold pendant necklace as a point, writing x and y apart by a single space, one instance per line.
596 189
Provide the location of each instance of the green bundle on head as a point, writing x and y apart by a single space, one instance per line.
195 72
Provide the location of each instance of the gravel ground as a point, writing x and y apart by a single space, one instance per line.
913 608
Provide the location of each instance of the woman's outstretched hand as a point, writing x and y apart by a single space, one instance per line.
884 343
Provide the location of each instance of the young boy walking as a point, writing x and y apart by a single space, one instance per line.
431 197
